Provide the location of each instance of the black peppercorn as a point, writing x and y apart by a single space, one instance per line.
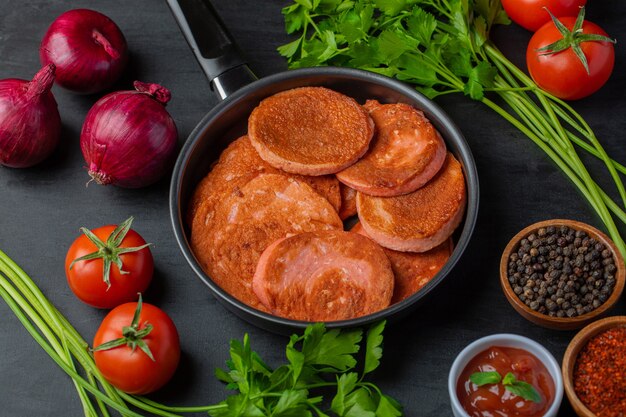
562 272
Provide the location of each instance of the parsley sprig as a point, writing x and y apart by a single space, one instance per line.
444 47
318 362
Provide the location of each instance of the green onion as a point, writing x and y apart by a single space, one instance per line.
68 349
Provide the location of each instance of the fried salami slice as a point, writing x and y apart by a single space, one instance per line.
411 270
405 153
348 201
267 208
323 276
421 220
310 130
238 164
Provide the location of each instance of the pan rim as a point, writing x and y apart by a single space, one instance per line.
450 132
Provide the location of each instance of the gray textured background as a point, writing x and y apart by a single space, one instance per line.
42 208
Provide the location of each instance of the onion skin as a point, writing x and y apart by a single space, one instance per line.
30 124
128 138
88 49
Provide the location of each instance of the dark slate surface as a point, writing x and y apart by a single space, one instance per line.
42 208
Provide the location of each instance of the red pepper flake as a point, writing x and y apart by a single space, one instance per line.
600 373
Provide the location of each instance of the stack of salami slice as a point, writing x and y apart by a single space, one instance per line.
267 222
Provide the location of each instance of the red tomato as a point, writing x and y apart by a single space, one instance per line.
563 74
86 278
532 14
131 371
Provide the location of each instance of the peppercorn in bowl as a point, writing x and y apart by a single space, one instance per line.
594 367
561 274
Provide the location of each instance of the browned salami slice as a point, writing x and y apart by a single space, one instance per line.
267 208
348 201
405 153
411 270
324 276
310 130
238 164
421 220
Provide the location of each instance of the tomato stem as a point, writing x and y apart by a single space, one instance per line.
573 38
132 336
110 251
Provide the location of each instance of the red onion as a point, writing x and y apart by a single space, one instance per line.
88 49
128 138
30 124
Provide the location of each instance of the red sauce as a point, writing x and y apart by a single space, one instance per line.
493 400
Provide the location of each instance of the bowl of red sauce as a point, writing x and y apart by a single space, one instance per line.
594 369
505 375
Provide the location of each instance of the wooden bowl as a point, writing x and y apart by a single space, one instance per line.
571 354
562 323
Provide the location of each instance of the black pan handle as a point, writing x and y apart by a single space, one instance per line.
214 48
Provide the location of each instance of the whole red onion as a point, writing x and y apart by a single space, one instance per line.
128 138
30 124
88 49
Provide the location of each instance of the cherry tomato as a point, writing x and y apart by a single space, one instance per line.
563 74
531 14
129 369
87 278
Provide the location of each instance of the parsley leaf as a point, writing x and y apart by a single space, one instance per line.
292 403
421 24
390 7
481 76
345 385
295 17
351 26
305 3
391 46
295 357
360 400
331 350
388 407
413 66
288 50
373 349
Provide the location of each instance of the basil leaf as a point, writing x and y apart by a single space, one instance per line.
520 388
524 390
509 379
483 378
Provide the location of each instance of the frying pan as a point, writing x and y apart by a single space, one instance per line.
233 81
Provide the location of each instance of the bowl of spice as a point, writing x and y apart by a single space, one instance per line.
505 375
562 274
594 369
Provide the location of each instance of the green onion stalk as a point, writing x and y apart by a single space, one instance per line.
70 351
443 47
